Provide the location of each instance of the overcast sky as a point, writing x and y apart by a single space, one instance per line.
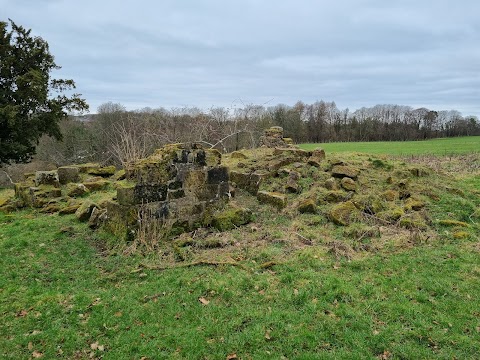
204 53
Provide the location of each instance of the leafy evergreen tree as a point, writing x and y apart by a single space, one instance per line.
31 102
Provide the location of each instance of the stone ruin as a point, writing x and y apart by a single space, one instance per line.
273 138
180 186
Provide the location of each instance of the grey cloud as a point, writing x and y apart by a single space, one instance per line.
211 52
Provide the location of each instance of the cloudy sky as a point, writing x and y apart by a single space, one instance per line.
204 53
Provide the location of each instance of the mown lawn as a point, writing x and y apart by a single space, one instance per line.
444 146
60 298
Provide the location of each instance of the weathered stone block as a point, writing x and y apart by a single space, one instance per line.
331 184
75 190
96 185
41 195
348 184
231 218
272 198
307 206
341 171
105 171
68 174
217 175
213 157
47 178
85 210
141 194
247 181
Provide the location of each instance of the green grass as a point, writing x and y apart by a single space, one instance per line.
444 146
59 295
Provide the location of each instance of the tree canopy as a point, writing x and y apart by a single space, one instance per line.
32 103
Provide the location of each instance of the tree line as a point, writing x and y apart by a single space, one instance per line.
115 135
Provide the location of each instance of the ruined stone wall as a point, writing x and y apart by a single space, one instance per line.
178 186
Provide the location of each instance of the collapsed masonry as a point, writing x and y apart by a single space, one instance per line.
181 186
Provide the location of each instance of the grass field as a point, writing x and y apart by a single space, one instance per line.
60 298
445 146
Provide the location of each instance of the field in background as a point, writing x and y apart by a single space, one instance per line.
444 146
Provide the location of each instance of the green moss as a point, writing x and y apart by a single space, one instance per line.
231 218
413 221
272 198
344 213
461 235
307 206
448 222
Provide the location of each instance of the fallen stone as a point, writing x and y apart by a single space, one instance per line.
413 204
47 178
390 195
348 184
68 174
84 212
96 217
344 213
292 185
69 209
272 198
96 185
331 184
307 206
247 181
75 190
105 171
231 218
5 181
318 155
341 171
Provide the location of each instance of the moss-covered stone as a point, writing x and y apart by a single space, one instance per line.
247 180
331 184
413 204
272 198
343 213
307 206
390 195
51 208
348 184
120 175
68 174
85 210
341 171
413 221
334 196
318 155
293 185
231 218
97 217
213 157
86 168
69 209
391 214
47 178
104 171
96 185
76 190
